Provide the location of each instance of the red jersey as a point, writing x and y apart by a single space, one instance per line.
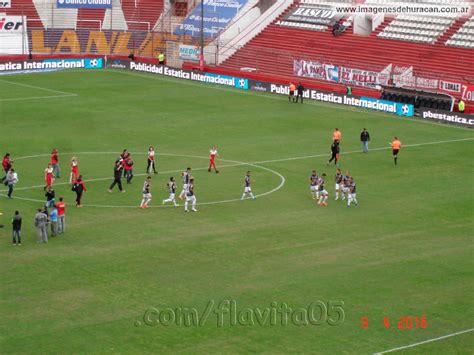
54 158
61 206
6 163
74 167
213 153
127 164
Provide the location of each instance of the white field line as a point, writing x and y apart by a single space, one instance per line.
424 342
279 97
38 97
37 87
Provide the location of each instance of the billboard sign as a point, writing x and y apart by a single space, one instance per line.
84 4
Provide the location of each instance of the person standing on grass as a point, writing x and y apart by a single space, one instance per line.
74 170
41 224
50 196
291 96
79 187
55 163
334 152
247 187
53 217
151 161
6 165
212 159
365 139
48 176
61 207
128 167
16 228
171 185
10 181
124 156
300 90
118 168
396 145
190 197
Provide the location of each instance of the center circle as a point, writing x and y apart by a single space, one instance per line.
231 163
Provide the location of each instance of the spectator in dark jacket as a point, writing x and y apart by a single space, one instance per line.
365 139
16 228
300 90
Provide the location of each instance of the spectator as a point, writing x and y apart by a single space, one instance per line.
365 139
61 207
348 90
41 224
79 187
50 196
6 165
10 181
16 228
336 29
461 106
53 217
55 163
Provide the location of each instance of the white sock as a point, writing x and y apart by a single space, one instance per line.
325 198
186 205
142 203
194 204
337 195
147 202
243 196
251 194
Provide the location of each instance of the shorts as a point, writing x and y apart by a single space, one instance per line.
337 186
185 187
345 189
323 192
247 190
352 196
171 196
395 152
313 188
147 196
190 198
292 93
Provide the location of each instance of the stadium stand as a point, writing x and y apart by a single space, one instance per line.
464 37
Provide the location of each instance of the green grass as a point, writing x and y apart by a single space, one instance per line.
405 251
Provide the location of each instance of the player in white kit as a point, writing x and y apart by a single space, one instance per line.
171 185
247 188
146 193
185 176
190 197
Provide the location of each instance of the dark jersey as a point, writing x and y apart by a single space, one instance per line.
146 187
50 195
247 181
190 191
352 187
171 187
338 178
314 180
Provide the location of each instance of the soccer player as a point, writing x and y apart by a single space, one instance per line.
79 187
247 188
345 185
151 161
50 197
336 135
55 163
61 206
313 184
338 180
11 180
146 193
185 176
212 159
323 194
6 165
118 168
124 156
334 152
48 176
291 96
171 185
74 171
396 145
352 193
190 197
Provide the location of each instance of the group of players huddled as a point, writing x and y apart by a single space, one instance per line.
345 187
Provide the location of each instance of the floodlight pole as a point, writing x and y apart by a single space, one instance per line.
201 55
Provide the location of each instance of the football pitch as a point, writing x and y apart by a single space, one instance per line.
276 275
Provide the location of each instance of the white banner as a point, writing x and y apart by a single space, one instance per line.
13 35
308 69
189 52
366 78
5 4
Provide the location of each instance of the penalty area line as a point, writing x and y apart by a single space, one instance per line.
424 342
38 97
38 88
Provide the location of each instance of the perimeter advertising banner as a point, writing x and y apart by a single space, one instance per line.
31 66
5 4
84 4
454 118
13 38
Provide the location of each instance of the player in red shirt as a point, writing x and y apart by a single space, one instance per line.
212 159
128 167
48 176
55 163
6 165
151 161
74 170
61 207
